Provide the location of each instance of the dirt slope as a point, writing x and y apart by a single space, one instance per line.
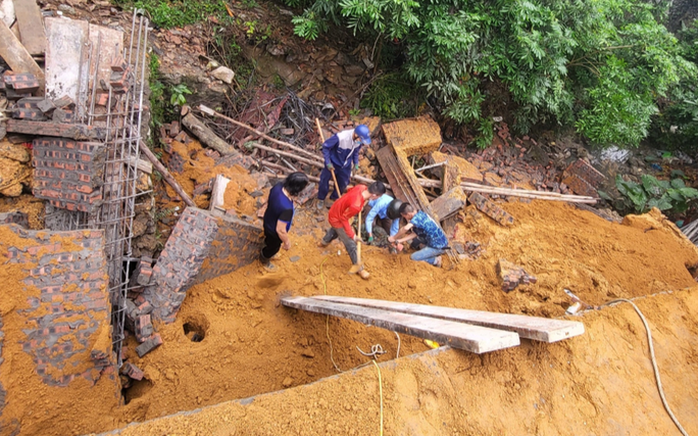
252 345
600 383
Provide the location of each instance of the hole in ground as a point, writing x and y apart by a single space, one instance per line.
136 389
194 332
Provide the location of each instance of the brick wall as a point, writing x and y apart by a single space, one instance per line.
15 217
202 246
68 173
66 319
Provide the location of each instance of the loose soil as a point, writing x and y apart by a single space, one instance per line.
253 345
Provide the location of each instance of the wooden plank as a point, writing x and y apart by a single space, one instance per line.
449 203
31 26
458 335
17 57
529 327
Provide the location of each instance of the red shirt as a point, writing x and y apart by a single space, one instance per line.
347 206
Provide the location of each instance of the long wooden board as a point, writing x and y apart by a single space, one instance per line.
529 327
31 26
458 335
17 57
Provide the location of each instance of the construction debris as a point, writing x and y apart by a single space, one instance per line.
490 209
513 275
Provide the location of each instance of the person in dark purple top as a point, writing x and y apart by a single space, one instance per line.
279 215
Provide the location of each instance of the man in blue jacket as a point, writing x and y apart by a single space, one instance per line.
386 208
341 152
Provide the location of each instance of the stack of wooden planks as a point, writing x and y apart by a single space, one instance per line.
470 330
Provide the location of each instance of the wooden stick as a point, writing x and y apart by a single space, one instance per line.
286 154
206 135
540 195
166 175
211 112
334 177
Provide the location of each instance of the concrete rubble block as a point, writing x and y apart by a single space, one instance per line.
420 135
467 171
490 208
513 275
46 106
449 203
149 345
201 246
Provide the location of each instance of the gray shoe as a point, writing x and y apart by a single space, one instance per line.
320 204
270 267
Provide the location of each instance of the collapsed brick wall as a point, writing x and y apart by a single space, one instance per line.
3 393
67 326
68 173
15 217
202 246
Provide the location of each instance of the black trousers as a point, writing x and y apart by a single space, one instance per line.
272 245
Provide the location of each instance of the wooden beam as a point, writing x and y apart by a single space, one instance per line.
17 57
166 175
206 135
529 327
31 26
80 132
458 335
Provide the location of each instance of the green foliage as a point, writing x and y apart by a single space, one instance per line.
676 126
671 196
157 92
177 95
387 97
598 65
177 13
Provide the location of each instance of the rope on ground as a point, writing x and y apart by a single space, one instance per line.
380 390
376 350
654 361
327 319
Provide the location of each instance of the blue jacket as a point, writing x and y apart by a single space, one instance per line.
380 207
341 150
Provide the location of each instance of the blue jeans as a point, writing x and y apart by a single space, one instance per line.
428 255
343 175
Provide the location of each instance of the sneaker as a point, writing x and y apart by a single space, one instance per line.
329 203
439 262
270 267
320 204
364 274
322 244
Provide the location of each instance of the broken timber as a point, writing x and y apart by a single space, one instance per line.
449 203
17 57
529 327
458 335
31 26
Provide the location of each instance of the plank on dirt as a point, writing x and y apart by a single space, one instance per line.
17 57
529 327
458 335
31 26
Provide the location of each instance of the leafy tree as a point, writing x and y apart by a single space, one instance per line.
599 65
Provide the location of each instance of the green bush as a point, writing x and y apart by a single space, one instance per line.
389 98
598 65
671 196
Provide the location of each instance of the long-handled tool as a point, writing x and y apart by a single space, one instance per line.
334 177
359 267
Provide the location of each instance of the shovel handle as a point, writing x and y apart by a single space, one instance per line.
334 177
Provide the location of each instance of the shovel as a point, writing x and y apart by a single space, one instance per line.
359 267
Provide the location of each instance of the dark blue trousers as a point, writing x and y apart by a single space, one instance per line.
343 175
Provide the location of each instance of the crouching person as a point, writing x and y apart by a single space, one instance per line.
428 232
279 215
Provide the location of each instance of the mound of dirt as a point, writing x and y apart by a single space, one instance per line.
253 345
600 383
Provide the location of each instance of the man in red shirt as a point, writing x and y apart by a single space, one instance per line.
342 210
